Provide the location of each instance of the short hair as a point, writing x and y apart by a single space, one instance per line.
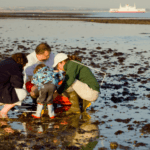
38 67
20 58
41 48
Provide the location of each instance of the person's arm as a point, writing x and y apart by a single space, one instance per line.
28 69
61 76
70 77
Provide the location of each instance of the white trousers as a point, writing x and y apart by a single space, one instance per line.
84 91
21 93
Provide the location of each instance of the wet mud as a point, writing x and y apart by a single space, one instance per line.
64 132
119 119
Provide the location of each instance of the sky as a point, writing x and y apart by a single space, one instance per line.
75 3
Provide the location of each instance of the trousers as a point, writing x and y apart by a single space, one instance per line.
84 91
46 93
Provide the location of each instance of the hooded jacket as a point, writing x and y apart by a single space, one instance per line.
45 75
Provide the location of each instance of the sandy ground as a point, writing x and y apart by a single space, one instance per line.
119 119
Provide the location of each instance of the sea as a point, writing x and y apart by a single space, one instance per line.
121 15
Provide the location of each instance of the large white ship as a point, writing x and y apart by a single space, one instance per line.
127 9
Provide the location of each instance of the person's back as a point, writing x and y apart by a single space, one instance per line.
5 68
44 75
8 69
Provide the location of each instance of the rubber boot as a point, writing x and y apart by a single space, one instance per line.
38 111
85 116
85 105
74 99
51 111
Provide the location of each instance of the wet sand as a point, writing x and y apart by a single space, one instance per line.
119 119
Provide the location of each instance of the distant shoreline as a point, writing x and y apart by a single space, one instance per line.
73 17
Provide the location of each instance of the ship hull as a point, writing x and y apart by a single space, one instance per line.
126 12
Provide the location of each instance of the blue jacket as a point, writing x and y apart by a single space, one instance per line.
45 75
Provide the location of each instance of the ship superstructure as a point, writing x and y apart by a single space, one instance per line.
127 9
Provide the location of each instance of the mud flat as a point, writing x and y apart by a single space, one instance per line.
119 119
74 17
105 20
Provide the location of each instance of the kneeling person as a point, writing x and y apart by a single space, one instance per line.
45 80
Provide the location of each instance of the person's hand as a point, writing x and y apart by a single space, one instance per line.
55 94
32 94
56 70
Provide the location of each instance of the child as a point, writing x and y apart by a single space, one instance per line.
45 80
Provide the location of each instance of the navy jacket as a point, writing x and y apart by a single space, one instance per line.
10 77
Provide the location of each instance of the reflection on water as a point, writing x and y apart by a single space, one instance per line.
74 131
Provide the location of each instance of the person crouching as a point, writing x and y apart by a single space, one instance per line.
45 80
11 82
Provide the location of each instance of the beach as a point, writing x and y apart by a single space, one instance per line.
119 119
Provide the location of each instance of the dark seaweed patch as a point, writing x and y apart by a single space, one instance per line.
123 120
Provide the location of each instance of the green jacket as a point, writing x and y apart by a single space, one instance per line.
77 71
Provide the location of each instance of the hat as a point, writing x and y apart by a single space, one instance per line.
58 58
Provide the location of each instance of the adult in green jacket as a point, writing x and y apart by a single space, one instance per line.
78 80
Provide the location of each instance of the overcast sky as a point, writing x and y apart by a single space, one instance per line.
75 3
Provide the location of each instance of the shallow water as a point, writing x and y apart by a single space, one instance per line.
121 112
121 15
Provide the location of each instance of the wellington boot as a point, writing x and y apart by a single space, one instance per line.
38 111
51 111
85 116
85 105
74 99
